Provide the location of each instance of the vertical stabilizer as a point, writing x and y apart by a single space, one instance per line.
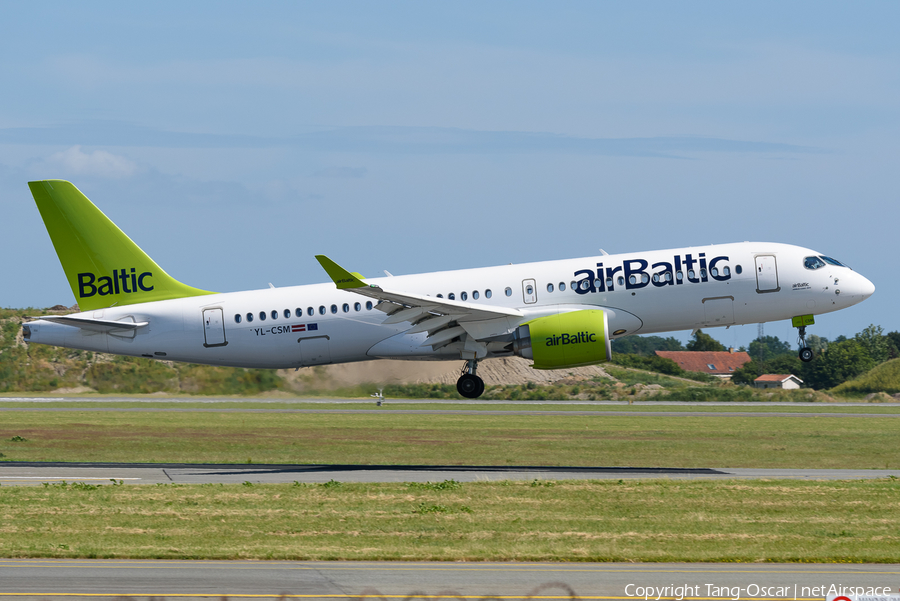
103 266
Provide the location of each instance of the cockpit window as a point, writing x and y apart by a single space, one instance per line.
813 262
831 261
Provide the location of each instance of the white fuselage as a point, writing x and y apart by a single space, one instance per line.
641 292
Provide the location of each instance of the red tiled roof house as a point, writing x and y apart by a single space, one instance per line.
715 363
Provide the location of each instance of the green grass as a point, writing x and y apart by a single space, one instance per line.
651 521
882 378
456 439
782 404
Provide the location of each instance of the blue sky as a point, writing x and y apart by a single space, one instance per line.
234 141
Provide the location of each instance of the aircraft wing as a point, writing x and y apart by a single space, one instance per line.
93 325
436 316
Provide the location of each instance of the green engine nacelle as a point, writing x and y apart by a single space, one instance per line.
570 339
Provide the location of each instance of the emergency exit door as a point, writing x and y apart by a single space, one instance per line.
529 291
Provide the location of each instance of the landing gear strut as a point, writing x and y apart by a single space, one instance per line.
469 385
806 354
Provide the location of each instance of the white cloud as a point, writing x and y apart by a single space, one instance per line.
99 163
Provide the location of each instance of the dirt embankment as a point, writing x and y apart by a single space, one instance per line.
506 371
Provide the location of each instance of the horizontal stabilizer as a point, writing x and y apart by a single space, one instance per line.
93 325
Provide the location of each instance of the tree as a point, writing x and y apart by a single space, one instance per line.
816 343
875 343
841 362
704 342
894 340
646 345
746 373
767 347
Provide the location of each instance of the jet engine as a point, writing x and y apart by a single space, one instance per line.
571 339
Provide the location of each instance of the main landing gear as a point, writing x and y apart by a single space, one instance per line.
469 385
806 354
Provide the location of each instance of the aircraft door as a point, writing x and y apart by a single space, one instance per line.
213 328
766 274
314 350
718 311
529 292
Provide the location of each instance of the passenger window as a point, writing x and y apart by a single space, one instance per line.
632 279
529 290
463 296
691 274
585 284
368 305
726 271
714 271
488 293
508 291
655 278
609 284
322 310
562 286
549 287
679 276
703 273
262 315
237 318
333 309
451 296
287 313
298 312
310 311
668 276
440 296
357 306
249 317
621 281
274 314
645 278
346 308
738 269
474 295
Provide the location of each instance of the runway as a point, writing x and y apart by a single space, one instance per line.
35 473
27 579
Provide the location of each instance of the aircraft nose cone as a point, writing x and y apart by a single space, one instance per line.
866 288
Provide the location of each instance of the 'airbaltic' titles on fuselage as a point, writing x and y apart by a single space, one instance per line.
633 274
121 282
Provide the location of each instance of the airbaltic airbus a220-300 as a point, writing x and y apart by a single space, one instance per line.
558 314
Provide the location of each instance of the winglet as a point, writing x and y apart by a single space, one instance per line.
342 278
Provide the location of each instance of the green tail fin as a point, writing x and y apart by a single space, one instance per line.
103 266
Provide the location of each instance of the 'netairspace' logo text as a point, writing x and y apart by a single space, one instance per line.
679 592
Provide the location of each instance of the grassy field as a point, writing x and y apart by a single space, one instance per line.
651 520
390 437
212 403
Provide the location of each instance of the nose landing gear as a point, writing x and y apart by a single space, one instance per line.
469 385
806 354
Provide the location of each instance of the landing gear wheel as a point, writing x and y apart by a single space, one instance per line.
470 386
806 354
